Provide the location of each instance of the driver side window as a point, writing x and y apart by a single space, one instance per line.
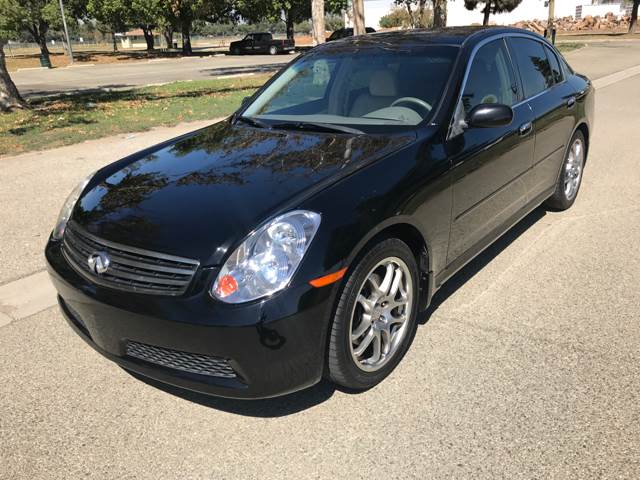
491 78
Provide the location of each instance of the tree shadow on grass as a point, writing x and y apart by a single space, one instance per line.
67 110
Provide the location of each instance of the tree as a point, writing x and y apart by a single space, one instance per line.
397 17
34 16
419 15
634 16
317 19
291 12
9 96
492 7
146 15
112 16
439 13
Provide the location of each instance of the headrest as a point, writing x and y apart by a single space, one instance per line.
383 84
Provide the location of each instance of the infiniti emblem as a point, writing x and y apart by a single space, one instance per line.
98 262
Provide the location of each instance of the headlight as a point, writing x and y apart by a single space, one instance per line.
266 261
67 208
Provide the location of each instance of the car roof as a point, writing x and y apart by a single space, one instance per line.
439 36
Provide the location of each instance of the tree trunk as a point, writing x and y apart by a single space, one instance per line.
358 17
148 37
412 17
115 42
289 26
186 38
487 12
9 96
439 13
41 39
317 21
167 33
421 7
634 17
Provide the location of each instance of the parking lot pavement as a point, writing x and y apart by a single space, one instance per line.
527 367
135 74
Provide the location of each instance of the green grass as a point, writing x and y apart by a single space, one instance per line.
565 47
66 120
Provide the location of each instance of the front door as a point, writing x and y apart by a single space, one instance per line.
490 165
552 101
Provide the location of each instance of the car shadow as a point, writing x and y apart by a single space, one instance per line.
310 397
482 260
264 408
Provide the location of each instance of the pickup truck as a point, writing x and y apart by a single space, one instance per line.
261 43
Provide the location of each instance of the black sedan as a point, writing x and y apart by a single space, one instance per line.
305 236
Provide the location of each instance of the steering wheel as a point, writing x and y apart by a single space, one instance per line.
413 102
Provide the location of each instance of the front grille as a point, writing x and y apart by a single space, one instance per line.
130 268
183 361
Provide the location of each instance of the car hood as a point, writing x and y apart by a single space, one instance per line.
198 195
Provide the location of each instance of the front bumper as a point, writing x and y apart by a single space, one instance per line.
275 346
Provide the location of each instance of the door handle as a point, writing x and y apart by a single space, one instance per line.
525 129
571 102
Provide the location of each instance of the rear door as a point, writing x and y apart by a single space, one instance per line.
490 164
552 102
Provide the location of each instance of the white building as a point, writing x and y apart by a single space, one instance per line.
457 14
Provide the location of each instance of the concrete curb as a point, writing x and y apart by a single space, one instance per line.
25 297
616 77
32 68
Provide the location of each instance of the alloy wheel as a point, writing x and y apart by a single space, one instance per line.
573 169
380 316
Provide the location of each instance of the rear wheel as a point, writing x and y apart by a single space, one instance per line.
273 50
570 177
375 320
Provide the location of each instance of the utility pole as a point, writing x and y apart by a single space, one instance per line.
551 20
66 32
358 17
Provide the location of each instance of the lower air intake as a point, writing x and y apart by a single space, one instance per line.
183 361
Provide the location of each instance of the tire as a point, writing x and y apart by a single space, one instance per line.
344 366
570 177
235 51
273 50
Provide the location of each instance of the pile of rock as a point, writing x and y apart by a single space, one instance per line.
609 22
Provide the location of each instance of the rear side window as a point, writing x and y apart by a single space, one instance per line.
491 78
534 66
555 65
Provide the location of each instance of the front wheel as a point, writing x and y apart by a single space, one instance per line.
570 177
375 319
273 50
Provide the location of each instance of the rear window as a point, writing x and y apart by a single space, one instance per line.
533 64
556 70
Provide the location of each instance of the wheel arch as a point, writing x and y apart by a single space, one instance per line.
405 229
584 129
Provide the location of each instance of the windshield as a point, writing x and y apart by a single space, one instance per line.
363 86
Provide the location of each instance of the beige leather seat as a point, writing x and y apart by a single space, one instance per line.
383 90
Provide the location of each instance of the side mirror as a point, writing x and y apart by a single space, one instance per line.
487 115
244 101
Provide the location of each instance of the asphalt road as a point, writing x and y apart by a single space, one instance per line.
34 82
528 365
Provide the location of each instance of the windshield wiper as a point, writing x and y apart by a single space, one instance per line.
317 127
253 122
